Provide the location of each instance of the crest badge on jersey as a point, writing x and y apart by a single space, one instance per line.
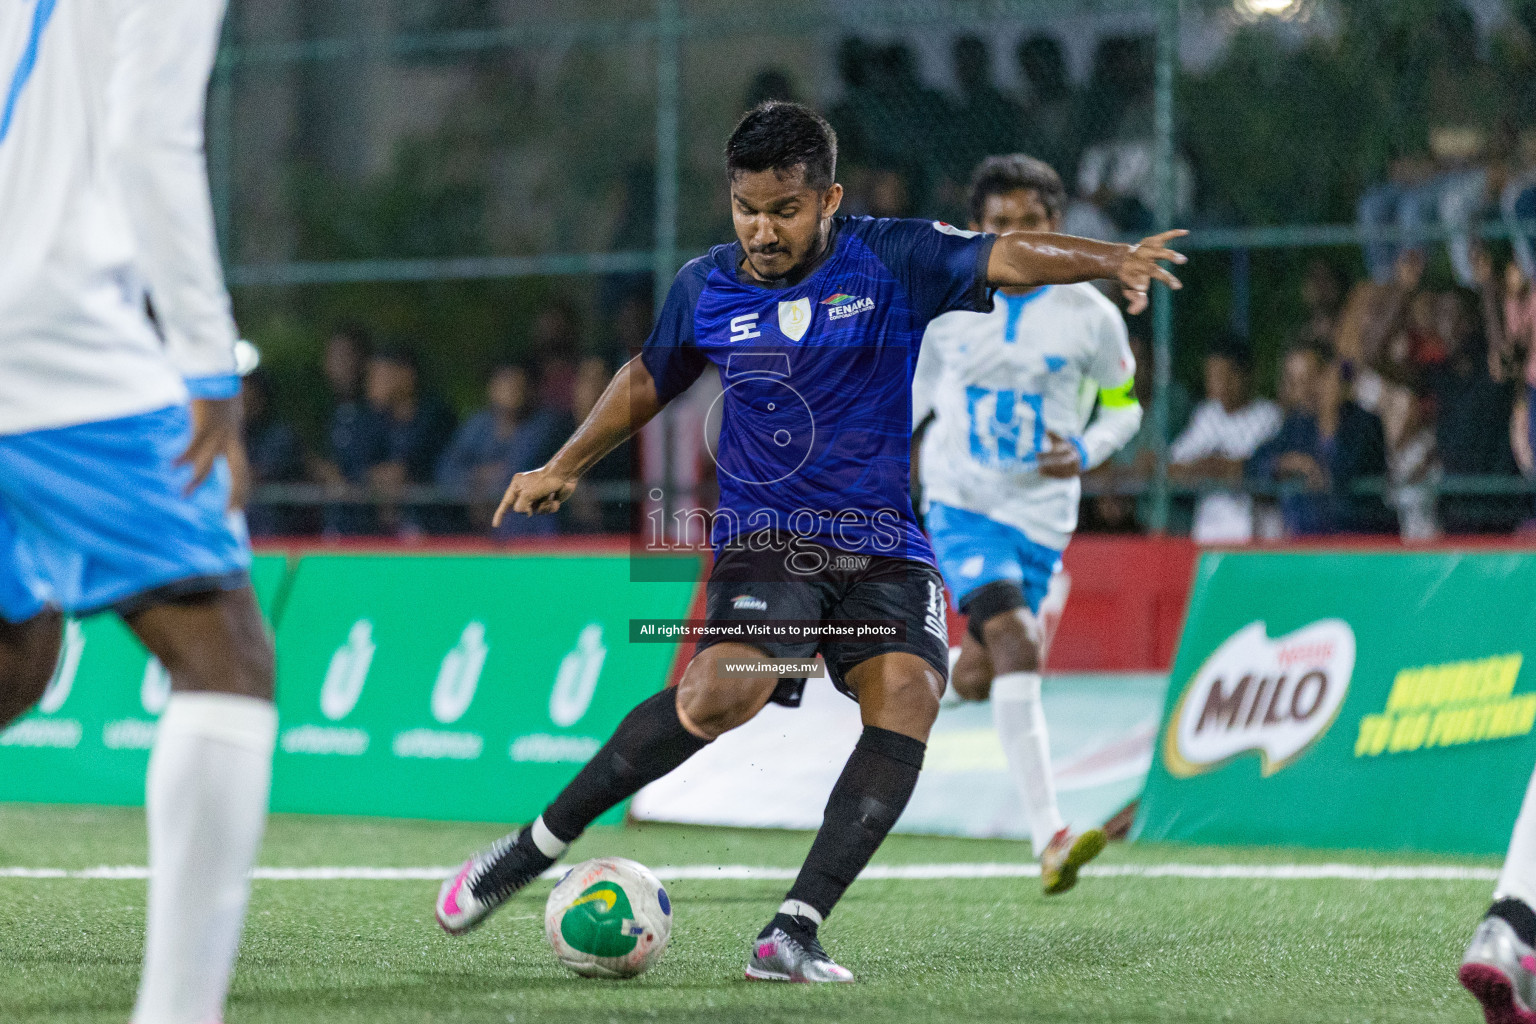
795 318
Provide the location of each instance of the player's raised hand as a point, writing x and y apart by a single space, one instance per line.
1141 266
215 432
534 493
1061 459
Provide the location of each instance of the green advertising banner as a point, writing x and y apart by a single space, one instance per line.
444 687
466 688
88 739
1350 700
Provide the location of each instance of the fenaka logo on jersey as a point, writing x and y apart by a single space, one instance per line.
795 318
842 305
746 602
1275 697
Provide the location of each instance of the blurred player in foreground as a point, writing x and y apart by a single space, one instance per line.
1499 968
116 441
814 321
1009 393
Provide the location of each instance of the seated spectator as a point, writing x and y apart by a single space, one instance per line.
1322 296
508 436
556 336
1133 465
346 354
393 438
274 453
1326 444
587 512
1224 432
477 464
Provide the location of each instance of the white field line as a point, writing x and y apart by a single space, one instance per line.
879 872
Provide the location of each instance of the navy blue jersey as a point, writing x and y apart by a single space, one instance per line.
816 426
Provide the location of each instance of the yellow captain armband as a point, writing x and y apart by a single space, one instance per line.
1122 397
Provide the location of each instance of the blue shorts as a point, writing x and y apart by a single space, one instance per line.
973 551
93 516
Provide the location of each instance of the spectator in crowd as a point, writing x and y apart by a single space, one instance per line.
1050 128
274 453
628 294
986 121
346 353
1132 467
556 338
903 120
1472 415
1224 432
1325 446
391 439
1322 299
854 59
510 435
479 460
610 511
1510 313
1118 172
1459 180
1413 468
414 427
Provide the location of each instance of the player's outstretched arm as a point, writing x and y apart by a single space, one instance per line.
627 404
1025 259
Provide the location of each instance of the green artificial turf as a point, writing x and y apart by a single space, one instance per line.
1113 950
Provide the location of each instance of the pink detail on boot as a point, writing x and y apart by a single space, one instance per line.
451 904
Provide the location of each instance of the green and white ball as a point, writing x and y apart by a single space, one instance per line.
608 918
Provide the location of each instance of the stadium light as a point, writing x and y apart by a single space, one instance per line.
1268 8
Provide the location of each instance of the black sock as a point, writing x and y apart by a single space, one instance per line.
869 796
649 743
1520 918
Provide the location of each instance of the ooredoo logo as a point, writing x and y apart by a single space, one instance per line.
1276 697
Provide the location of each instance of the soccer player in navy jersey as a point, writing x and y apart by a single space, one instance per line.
814 322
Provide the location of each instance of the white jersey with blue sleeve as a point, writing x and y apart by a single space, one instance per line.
103 203
999 383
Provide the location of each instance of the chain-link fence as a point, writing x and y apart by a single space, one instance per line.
496 195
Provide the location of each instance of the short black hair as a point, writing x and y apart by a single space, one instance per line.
400 354
1234 349
1012 172
1318 348
778 136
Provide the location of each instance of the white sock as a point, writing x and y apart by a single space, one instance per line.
206 799
1518 879
549 844
1020 721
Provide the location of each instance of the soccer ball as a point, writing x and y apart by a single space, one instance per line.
608 918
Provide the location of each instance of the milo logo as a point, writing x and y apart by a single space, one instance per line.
1275 697
600 922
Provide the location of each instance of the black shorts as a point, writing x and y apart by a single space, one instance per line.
817 584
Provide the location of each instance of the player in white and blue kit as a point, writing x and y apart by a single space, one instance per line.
814 322
1009 393
116 435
